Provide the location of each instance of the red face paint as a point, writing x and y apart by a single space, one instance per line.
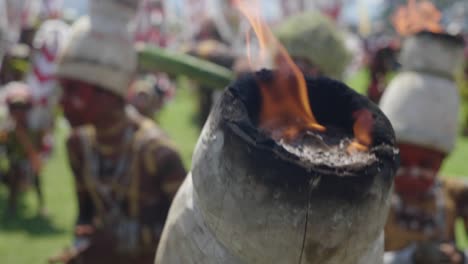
20 113
418 170
77 102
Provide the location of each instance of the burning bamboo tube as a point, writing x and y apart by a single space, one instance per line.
253 199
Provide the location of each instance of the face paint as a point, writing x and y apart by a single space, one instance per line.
415 172
418 171
414 180
20 113
76 101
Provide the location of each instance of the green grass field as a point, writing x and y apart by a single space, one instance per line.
27 239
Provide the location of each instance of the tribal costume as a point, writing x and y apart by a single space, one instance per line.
126 172
41 79
422 102
21 145
126 197
432 218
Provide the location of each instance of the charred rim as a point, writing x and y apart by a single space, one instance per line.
333 104
449 38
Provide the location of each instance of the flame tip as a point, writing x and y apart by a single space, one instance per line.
286 113
417 16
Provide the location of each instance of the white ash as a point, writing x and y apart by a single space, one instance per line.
313 150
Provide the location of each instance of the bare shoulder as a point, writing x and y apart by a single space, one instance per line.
158 145
149 134
73 139
456 187
156 149
454 182
77 136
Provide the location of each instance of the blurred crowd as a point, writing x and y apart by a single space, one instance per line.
127 170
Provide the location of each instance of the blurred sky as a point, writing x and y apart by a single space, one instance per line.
351 12
79 5
354 8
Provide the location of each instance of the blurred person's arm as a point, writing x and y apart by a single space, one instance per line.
457 189
403 256
426 252
29 146
166 166
86 208
84 228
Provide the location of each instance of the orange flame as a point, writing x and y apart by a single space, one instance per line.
285 112
417 16
362 131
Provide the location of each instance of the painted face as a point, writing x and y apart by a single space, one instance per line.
76 101
19 112
418 170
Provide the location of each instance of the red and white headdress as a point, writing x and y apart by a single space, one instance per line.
48 42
